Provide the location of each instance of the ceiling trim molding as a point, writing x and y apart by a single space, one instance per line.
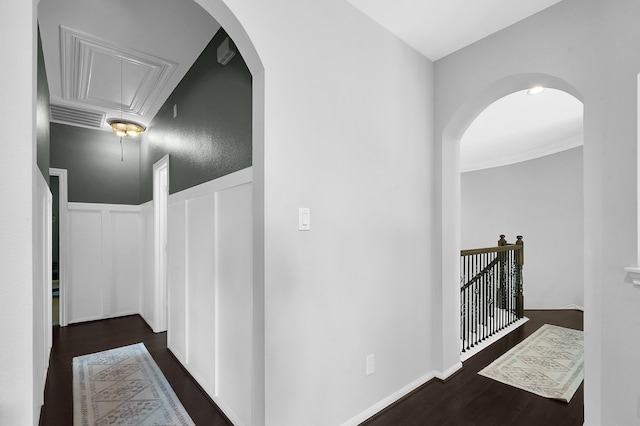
519 157
78 52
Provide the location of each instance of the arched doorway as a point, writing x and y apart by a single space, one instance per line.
255 314
521 164
448 178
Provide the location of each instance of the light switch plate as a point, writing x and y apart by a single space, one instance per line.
304 219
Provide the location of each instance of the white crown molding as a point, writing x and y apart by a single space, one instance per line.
519 157
77 53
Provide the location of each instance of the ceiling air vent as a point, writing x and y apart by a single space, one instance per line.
77 117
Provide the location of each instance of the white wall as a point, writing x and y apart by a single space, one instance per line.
542 200
347 133
20 391
210 288
104 261
588 48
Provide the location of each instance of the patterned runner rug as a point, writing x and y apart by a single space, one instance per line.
123 386
548 363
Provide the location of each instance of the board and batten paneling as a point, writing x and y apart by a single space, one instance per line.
147 279
210 288
105 258
176 277
235 283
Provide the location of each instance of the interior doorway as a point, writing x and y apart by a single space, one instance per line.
522 164
58 185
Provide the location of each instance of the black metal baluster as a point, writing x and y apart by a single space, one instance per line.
468 301
466 305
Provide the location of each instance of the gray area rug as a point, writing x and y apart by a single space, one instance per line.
123 386
548 363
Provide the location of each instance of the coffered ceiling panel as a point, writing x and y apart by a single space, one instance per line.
85 44
98 73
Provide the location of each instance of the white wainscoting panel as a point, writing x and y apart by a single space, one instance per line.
104 261
147 292
200 289
176 286
125 231
235 293
84 280
211 288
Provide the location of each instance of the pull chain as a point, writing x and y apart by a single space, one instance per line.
121 148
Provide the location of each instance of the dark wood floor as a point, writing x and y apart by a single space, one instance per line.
465 399
470 399
98 336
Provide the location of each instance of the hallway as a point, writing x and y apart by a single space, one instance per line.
101 335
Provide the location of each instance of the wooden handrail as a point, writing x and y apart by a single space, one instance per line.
498 249
502 247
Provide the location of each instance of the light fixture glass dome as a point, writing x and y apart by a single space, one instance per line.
126 129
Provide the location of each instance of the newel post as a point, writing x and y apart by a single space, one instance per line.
519 265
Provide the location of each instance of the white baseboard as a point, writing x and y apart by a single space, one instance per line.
376 408
443 375
98 318
227 411
574 307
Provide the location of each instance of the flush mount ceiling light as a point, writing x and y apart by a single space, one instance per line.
125 129
535 90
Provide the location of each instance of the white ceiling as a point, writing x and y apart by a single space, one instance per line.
87 44
437 28
520 127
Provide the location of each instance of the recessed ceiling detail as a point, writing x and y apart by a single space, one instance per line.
77 117
89 65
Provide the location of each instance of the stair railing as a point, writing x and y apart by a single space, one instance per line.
491 296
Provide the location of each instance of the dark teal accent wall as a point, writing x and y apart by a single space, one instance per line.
211 136
95 173
42 115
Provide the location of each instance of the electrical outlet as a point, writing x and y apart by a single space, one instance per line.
370 365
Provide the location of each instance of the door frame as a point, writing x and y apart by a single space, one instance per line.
160 208
63 210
